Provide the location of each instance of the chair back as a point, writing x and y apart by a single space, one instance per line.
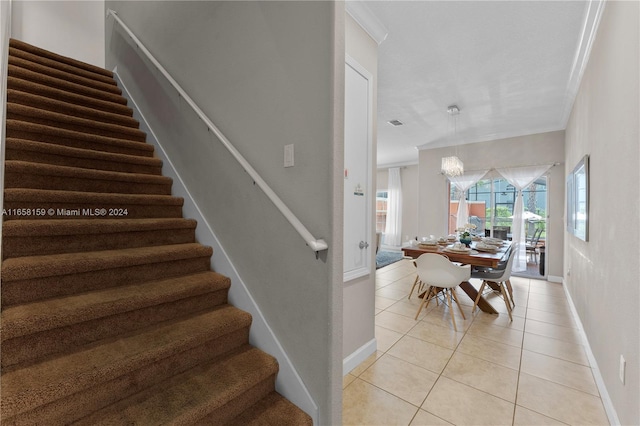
536 237
436 270
506 272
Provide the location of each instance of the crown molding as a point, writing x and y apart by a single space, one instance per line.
587 36
369 22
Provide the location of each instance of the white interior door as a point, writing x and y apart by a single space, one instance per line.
358 244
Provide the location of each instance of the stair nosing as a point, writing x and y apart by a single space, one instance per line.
50 314
31 76
27 47
52 63
41 129
29 111
50 92
32 267
44 169
123 356
99 115
63 75
81 153
36 228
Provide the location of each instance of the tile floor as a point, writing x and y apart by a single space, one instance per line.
532 371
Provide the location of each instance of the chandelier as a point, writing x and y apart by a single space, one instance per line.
452 166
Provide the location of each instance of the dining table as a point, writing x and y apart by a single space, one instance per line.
474 257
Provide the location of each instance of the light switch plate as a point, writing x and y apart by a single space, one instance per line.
288 155
623 365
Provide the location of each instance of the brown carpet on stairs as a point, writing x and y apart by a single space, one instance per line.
110 312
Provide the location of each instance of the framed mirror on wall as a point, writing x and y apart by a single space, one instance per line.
578 200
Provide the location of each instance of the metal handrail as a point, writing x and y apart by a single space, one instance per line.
316 245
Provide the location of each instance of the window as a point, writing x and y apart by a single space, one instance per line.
491 203
381 210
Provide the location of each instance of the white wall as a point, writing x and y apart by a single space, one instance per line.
359 294
69 28
542 148
266 74
603 274
409 177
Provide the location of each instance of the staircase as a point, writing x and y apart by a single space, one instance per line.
110 312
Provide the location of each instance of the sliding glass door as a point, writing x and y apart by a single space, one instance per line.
491 203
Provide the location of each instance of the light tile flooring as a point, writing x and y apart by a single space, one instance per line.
532 371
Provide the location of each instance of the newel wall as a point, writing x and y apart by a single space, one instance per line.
265 74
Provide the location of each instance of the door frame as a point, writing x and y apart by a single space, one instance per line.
369 190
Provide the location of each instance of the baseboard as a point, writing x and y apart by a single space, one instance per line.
357 357
554 279
288 381
612 415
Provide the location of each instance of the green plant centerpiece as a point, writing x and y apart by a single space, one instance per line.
465 234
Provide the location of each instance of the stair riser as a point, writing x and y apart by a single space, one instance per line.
58 106
108 87
223 415
117 132
57 83
63 60
42 245
70 338
81 404
15 52
90 211
87 163
31 290
37 181
72 98
80 140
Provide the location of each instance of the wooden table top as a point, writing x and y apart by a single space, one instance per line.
475 258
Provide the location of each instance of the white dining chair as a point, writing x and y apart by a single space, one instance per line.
501 277
437 272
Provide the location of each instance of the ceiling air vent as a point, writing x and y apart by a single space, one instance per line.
395 122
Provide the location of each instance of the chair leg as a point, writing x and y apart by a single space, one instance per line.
506 300
425 300
453 319
484 283
415 282
508 282
455 297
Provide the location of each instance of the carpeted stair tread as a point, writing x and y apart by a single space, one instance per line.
194 395
42 383
64 75
21 45
25 74
55 236
49 314
118 319
30 267
30 114
61 66
22 174
78 111
25 228
42 152
40 133
49 204
34 88
273 409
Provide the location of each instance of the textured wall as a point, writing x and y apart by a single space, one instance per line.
69 28
603 273
264 73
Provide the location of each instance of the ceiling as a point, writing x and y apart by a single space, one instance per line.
512 67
